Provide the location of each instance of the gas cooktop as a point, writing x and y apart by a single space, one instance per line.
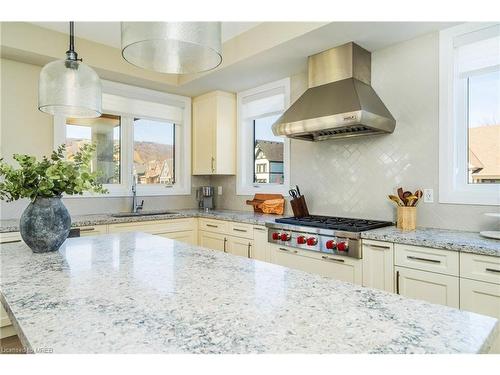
335 223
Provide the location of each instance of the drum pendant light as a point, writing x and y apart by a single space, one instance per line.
172 47
69 87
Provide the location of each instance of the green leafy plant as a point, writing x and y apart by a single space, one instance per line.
50 177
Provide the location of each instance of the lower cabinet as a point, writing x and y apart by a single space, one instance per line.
261 249
239 246
187 236
214 241
427 286
179 229
93 230
336 267
480 297
378 265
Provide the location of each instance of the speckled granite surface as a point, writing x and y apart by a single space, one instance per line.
87 220
467 242
137 293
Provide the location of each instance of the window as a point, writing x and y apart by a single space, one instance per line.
154 156
268 152
469 123
143 132
104 132
263 158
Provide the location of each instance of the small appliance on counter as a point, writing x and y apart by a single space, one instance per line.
205 197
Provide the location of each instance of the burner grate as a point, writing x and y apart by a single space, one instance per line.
335 223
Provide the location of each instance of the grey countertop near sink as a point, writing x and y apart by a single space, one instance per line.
12 225
157 295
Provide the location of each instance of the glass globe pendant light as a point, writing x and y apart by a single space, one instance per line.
172 47
69 87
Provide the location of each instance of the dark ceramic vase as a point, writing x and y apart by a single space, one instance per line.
45 224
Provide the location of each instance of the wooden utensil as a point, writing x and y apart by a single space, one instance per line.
419 195
406 194
400 194
395 200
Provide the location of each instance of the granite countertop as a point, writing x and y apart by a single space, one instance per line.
467 242
12 225
138 293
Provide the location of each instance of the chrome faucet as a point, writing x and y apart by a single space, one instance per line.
135 207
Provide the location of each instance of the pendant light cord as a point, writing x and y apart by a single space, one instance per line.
70 53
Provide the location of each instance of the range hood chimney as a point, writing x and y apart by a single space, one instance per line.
339 102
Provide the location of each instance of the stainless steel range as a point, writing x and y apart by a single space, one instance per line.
325 234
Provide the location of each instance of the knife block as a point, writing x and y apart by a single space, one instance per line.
299 207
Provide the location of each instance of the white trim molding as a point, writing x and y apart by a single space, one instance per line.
270 99
453 128
130 102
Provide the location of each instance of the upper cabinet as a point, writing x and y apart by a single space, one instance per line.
214 134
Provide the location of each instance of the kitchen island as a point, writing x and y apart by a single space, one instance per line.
138 293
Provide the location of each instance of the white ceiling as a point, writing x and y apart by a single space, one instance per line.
275 63
108 33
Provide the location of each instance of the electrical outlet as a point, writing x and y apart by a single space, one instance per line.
219 190
428 196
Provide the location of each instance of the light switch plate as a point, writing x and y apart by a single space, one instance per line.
428 196
219 190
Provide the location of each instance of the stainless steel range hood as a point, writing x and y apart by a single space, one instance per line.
339 102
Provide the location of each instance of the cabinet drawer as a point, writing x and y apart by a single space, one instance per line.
241 230
10 237
93 230
212 225
155 227
480 267
427 259
480 297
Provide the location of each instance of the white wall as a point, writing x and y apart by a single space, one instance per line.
352 177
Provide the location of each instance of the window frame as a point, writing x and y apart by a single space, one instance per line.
453 128
131 102
245 184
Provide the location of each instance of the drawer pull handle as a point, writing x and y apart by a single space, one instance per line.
492 270
288 251
397 282
378 246
334 259
10 241
424 259
261 229
240 230
87 229
212 226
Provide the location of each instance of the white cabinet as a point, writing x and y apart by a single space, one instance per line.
10 237
93 230
214 134
336 267
212 240
378 265
180 229
480 297
261 248
427 286
239 246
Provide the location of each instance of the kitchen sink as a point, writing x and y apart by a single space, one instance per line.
144 213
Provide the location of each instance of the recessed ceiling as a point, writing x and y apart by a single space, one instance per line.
108 33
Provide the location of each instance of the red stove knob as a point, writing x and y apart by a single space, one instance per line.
276 236
285 237
311 241
342 246
330 244
301 240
